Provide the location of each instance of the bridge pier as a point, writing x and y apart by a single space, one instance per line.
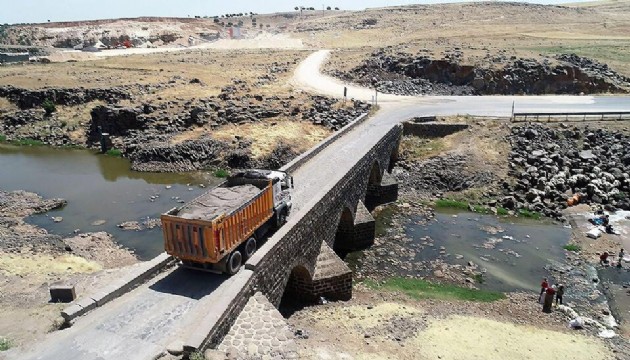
383 193
332 279
355 235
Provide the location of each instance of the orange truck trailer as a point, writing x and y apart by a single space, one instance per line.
219 230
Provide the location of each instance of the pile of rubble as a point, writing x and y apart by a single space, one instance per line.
549 166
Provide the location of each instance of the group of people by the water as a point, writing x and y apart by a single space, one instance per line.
603 258
548 293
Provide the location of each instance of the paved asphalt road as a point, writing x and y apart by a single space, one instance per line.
143 322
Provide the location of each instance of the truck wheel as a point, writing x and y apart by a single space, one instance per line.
234 262
282 218
250 247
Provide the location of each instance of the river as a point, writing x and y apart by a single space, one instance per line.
98 188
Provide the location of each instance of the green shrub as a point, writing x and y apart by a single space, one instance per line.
49 107
3 138
453 204
221 173
529 214
114 152
572 247
422 289
27 142
502 211
197 355
5 344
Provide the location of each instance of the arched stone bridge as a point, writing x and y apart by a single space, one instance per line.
300 260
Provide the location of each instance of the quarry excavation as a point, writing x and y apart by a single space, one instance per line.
423 181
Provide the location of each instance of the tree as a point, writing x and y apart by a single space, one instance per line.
296 8
336 8
49 107
327 7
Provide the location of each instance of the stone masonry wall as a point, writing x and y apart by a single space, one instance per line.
300 240
431 130
301 244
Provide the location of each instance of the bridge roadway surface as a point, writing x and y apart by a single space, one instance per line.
141 323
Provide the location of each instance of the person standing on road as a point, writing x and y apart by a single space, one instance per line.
559 294
621 255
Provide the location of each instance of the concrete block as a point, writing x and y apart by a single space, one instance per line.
72 312
62 293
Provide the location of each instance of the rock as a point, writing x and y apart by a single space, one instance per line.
57 219
175 348
99 222
212 354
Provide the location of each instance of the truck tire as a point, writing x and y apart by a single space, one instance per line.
282 218
249 247
234 262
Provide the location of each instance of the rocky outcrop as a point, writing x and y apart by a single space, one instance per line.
550 165
28 99
15 233
185 156
115 120
407 74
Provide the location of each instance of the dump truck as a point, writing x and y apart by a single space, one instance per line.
220 229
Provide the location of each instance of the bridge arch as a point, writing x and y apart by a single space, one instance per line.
393 158
298 291
344 236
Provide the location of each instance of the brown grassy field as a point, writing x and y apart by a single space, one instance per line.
600 30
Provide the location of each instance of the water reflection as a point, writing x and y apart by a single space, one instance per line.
97 187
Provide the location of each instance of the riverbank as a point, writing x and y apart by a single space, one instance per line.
31 260
478 244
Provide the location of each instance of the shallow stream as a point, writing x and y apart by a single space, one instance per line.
98 188
513 252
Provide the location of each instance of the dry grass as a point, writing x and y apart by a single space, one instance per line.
43 265
6 105
215 68
265 136
601 32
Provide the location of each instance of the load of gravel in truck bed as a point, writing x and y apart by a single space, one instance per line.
218 201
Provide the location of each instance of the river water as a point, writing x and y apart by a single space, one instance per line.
98 187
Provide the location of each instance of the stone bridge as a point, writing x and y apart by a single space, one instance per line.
301 260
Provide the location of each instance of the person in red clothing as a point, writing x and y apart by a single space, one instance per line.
549 295
543 287
603 258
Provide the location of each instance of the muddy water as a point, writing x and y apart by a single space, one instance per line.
513 251
97 187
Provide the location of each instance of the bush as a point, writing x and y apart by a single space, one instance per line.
5 344
572 247
114 152
27 142
529 214
3 138
221 173
453 204
49 107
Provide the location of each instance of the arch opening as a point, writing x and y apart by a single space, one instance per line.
298 292
344 237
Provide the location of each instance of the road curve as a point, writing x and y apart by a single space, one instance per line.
308 77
